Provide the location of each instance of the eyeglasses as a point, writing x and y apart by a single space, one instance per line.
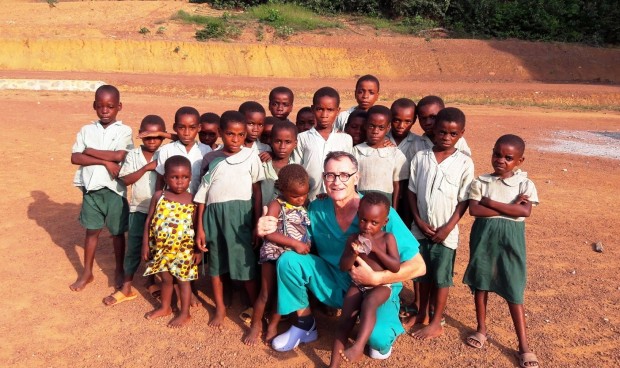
344 177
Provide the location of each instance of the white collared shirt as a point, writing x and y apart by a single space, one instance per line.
143 189
311 151
504 190
425 143
342 118
379 168
114 137
195 155
407 145
229 178
439 187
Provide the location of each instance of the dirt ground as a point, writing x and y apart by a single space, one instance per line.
572 295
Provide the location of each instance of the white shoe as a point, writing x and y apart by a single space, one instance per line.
375 354
291 338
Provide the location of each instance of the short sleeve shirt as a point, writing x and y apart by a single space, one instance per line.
407 145
311 151
229 178
342 118
114 137
504 190
424 142
380 168
195 155
439 187
144 188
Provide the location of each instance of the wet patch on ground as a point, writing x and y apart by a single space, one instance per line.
604 144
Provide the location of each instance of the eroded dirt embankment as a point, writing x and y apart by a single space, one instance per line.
441 59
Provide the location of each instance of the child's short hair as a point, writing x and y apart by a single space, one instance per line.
210 118
513 140
375 199
231 116
281 90
402 103
283 125
451 114
174 161
357 114
325 92
107 88
186 110
367 78
303 110
291 174
431 100
153 120
250 107
270 120
380 110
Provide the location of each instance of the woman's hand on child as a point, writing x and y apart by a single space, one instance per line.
363 274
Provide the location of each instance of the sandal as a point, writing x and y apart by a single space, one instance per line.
407 311
118 297
476 340
528 360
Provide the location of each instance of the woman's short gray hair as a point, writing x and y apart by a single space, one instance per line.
338 155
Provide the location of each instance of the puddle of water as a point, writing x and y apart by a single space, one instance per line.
604 144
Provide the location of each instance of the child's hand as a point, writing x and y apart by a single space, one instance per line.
151 166
321 196
522 199
388 143
264 156
113 169
146 253
301 247
355 247
256 240
197 258
441 233
425 228
201 240
147 134
484 201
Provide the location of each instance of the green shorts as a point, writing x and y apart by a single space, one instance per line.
133 252
439 261
104 207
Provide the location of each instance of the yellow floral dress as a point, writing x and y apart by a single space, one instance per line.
171 240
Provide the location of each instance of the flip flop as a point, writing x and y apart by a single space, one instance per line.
407 311
119 297
479 338
154 290
525 358
246 315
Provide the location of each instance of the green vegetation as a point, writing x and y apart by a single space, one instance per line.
222 28
588 21
144 31
161 30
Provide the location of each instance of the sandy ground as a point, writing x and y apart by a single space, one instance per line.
572 297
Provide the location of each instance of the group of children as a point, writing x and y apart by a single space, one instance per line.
197 202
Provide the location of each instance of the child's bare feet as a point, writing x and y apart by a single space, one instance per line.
81 282
429 332
352 354
194 302
180 321
419 319
158 313
220 313
271 333
252 336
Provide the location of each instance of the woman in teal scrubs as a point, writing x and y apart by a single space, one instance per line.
333 220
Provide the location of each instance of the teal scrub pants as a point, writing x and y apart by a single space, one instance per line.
299 273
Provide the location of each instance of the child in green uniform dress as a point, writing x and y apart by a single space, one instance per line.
169 239
500 202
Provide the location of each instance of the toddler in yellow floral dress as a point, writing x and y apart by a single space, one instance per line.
168 240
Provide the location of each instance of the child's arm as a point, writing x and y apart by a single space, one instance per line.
486 207
257 195
441 233
349 255
78 158
164 135
390 258
107 155
425 228
282 240
265 156
135 176
146 254
197 251
395 194
159 183
201 237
